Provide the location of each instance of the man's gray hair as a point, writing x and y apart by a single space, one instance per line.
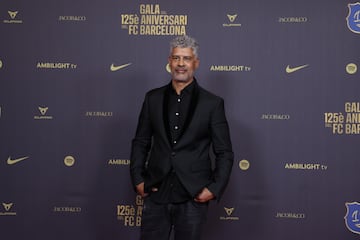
185 41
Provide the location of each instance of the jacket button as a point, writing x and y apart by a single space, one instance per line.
173 154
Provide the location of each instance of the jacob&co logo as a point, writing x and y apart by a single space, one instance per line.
67 209
99 114
72 18
13 19
275 116
353 18
352 217
291 215
292 19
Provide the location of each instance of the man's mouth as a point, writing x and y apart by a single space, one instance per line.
181 70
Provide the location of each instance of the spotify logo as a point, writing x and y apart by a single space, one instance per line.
69 161
351 68
244 164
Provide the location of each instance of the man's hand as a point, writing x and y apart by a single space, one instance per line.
204 196
140 190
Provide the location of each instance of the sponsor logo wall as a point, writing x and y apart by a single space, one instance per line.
73 78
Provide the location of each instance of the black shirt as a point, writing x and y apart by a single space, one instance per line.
170 189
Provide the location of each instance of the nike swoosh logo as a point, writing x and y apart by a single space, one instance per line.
294 69
13 161
114 68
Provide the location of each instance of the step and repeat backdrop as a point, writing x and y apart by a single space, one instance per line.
73 75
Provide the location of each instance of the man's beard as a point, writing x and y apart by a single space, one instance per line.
182 77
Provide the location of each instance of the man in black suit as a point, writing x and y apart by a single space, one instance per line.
170 161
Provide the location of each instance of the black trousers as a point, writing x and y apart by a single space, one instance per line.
185 219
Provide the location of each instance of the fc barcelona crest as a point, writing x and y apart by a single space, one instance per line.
353 18
352 217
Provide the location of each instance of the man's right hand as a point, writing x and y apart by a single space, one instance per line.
140 189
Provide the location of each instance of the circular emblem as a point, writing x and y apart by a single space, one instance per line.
168 68
69 161
244 164
351 68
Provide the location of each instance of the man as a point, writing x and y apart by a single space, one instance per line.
170 163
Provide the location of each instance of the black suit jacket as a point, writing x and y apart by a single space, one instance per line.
153 155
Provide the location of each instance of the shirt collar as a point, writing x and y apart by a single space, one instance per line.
187 90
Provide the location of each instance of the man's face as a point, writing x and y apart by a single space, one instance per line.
183 64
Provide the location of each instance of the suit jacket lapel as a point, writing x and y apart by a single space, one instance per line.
166 113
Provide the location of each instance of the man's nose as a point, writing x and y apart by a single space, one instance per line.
181 62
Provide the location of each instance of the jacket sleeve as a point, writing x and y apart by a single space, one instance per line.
141 145
222 148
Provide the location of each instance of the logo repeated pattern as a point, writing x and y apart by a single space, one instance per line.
71 84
